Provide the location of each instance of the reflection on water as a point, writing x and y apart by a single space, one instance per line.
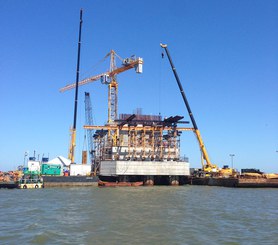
139 215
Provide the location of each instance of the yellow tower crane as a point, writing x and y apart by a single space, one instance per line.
110 78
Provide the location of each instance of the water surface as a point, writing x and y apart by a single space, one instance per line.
139 215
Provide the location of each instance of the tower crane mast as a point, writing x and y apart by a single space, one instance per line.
89 121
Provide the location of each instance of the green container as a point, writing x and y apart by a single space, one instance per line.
51 169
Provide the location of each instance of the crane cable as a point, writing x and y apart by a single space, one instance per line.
160 82
85 146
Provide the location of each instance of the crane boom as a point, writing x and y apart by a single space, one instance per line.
205 156
73 129
83 82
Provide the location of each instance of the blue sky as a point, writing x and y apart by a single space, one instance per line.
225 53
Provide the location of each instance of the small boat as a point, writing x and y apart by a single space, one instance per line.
30 182
119 184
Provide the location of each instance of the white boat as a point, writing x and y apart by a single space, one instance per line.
30 183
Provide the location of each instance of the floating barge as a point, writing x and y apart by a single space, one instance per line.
9 185
119 184
120 181
70 181
235 182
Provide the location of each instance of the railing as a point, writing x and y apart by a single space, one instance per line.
30 181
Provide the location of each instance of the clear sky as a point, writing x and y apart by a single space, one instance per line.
226 54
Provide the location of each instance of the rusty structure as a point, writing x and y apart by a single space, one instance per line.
137 137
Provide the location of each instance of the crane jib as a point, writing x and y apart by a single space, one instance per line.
112 73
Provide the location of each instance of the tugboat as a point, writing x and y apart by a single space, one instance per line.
30 181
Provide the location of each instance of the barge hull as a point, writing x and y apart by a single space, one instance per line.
70 181
258 183
236 182
9 185
115 168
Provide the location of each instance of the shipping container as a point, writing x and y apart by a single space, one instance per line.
80 169
51 169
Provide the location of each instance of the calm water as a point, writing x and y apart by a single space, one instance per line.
139 215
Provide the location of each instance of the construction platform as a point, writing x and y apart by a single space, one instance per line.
138 147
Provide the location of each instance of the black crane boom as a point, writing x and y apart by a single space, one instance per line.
208 166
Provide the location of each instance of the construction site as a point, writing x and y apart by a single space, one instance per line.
135 149
138 149
132 148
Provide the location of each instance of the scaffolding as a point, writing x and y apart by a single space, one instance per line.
138 138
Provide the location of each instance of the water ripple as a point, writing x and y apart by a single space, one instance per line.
143 215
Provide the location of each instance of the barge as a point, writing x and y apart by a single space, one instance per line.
238 182
70 181
9 185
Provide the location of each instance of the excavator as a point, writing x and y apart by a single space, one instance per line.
208 168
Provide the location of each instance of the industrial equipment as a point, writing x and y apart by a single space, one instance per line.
207 166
